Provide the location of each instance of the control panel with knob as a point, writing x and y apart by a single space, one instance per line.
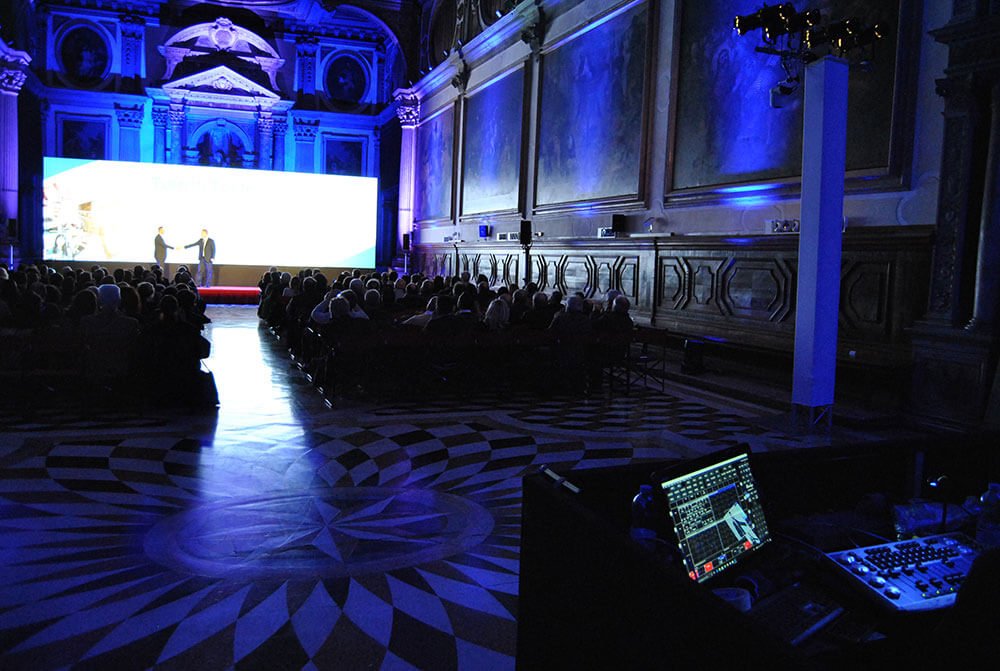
912 575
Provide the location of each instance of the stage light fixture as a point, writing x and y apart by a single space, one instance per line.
766 17
802 21
840 35
868 36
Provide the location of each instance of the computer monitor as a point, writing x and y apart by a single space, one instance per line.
715 511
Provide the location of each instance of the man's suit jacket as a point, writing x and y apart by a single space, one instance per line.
161 247
206 249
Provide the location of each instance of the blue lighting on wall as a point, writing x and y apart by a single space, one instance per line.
750 188
750 201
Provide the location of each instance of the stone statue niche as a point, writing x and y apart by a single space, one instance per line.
220 146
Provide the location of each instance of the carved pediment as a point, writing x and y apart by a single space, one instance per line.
221 37
220 81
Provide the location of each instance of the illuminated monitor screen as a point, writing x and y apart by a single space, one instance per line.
109 212
716 513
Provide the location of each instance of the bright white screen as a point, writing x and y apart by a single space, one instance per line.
109 211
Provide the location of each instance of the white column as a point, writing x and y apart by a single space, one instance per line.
12 77
824 145
408 112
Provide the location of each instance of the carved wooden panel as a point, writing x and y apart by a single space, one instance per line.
757 289
671 283
576 273
511 269
741 293
864 298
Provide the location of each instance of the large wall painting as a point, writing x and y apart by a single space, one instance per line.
435 149
492 166
590 129
726 133
82 136
344 156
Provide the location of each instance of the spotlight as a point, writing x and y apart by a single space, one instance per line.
800 22
841 35
768 16
789 22
869 36
813 37
498 13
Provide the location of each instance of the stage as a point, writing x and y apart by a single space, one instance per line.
230 295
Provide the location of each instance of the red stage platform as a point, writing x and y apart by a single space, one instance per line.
230 295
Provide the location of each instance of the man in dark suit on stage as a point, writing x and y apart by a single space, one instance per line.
160 248
206 256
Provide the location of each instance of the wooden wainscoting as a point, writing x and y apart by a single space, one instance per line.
738 290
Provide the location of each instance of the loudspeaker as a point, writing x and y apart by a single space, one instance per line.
618 223
406 242
525 230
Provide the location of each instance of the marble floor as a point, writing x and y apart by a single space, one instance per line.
283 534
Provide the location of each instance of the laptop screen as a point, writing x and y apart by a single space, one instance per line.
715 512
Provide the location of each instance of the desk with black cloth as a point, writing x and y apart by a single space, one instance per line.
591 597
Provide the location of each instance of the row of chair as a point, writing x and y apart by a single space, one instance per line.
402 360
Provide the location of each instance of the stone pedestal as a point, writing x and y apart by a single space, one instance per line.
129 129
159 134
305 144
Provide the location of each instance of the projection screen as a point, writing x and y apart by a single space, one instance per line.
109 212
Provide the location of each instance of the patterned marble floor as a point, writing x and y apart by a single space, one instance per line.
280 534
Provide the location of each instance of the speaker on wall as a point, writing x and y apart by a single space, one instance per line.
406 242
525 230
618 223
484 230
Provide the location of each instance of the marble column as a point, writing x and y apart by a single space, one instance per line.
178 117
280 130
159 134
305 144
265 138
13 64
129 130
408 113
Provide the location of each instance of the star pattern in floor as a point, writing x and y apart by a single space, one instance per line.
282 534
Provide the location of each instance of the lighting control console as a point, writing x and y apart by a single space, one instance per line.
912 575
